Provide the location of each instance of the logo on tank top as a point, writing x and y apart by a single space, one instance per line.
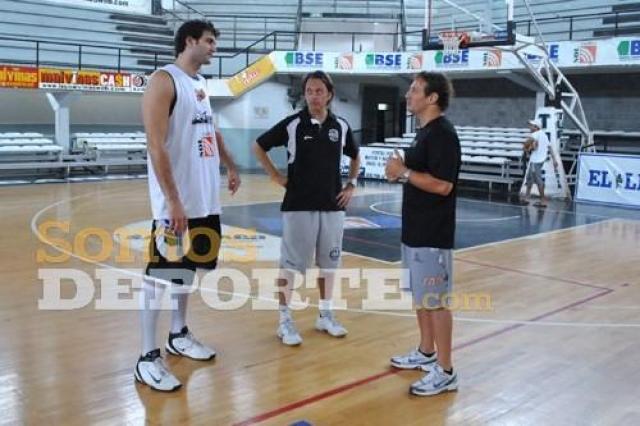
200 95
334 136
205 146
202 118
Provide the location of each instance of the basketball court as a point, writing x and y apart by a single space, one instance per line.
547 300
555 345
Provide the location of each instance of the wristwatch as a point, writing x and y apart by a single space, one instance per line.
353 182
405 175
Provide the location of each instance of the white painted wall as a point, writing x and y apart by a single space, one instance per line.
32 107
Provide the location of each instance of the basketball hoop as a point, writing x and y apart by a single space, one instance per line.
452 41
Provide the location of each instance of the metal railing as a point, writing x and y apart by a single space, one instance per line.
78 51
122 57
570 24
365 7
403 24
184 8
271 40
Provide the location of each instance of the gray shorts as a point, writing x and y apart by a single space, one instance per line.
534 174
430 275
311 232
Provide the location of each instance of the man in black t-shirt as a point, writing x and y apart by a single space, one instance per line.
430 172
315 200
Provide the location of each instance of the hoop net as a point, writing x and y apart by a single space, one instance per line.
451 41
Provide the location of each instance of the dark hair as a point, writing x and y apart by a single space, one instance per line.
193 29
322 76
437 83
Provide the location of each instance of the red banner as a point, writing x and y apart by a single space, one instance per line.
83 80
18 77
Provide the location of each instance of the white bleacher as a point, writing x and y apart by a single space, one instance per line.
489 154
18 147
130 145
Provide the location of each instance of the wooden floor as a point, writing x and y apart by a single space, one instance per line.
559 346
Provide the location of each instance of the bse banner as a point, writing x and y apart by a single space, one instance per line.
612 179
130 6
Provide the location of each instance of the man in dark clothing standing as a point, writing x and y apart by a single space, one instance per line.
313 208
430 172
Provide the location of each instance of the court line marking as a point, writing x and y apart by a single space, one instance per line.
535 236
374 207
532 274
370 379
547 209
126 272
513 325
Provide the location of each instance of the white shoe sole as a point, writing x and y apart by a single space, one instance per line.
331 334
451 388
412 367
142 382
288 344
176 353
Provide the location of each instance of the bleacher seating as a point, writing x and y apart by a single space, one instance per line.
100 146
27 147
489 154
143 40
30 154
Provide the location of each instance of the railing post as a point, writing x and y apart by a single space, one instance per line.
571 28
119 58
615 31
247 58
37 54
235 31
79 56
353 42
275 41
155 61
220 67
529 28
313 42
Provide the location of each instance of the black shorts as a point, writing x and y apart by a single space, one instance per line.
205 239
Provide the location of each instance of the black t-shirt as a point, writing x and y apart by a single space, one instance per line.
314 153
428 220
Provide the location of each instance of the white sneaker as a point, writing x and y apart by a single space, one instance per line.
153 372
329 324
288 332
435 382
185 344
413 360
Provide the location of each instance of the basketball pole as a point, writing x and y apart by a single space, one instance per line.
426 32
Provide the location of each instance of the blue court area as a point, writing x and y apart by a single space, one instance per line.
374 221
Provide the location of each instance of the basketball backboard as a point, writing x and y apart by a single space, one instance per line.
477 24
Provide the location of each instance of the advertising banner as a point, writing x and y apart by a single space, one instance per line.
250 77
95 81
18 77
611 179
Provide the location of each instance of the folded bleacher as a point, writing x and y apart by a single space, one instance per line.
31 155
489 154
102 146
19 148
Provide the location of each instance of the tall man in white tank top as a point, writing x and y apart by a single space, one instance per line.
185 152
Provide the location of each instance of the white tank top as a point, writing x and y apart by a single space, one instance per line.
192 149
